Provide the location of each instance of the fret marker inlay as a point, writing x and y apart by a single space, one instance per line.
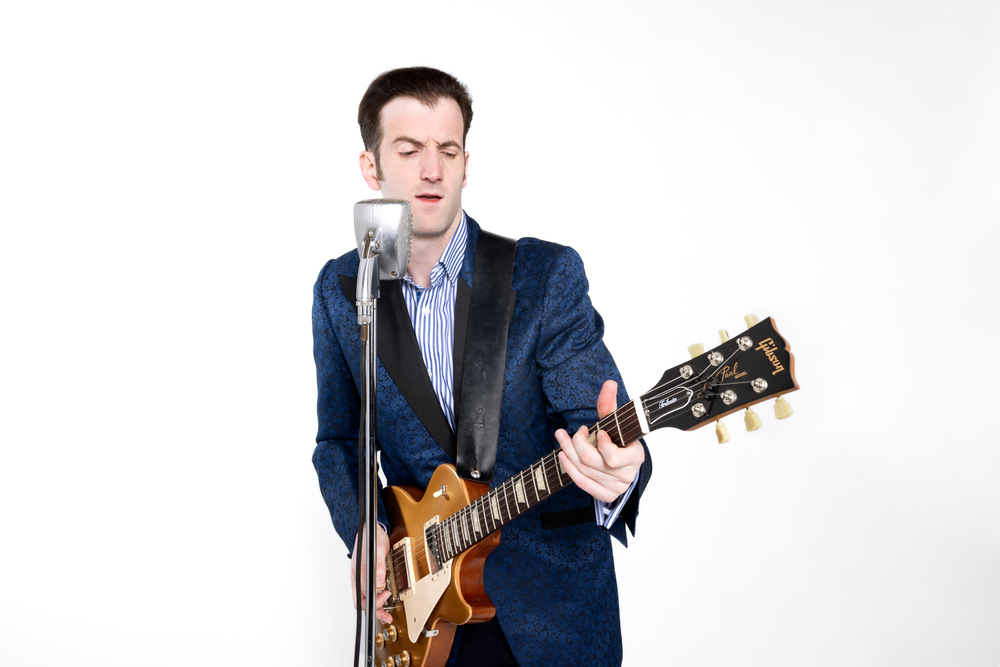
540 482
519 492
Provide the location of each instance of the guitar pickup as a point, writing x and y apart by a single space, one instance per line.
431 547
401 557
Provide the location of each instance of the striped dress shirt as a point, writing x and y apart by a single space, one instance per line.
432 312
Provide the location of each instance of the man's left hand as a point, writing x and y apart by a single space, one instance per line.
605 471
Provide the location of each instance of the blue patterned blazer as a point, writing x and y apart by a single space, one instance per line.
552 577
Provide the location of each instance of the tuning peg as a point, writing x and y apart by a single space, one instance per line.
782 410
696 349
724 335
752 420
721 432
751 320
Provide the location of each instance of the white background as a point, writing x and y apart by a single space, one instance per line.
173 176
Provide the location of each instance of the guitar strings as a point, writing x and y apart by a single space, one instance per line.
449 529
458 538
459 529
610 424
502 493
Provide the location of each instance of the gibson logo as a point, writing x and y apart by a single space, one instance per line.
733 374
768 347
664 403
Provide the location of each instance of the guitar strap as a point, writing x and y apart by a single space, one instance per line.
490 308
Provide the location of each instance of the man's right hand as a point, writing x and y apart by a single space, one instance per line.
381 551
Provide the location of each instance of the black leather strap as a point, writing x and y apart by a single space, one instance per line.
490 309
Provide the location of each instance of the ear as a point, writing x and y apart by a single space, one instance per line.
367 162
465 180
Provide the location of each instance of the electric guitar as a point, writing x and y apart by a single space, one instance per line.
440 538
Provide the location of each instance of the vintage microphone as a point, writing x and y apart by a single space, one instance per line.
382 229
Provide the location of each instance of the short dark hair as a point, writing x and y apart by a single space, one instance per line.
426 84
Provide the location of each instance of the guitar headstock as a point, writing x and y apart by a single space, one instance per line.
744 370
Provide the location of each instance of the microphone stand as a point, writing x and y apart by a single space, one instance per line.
382 229
366 297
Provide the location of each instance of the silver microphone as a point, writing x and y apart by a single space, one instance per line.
382 229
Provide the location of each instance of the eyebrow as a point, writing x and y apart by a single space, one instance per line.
451 143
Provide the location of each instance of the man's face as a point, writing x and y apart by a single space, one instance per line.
422 161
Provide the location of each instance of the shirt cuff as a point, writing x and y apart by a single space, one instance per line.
607 513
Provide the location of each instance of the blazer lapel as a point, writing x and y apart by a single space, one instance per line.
399 353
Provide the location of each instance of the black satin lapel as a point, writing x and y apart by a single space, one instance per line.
399 352
462 296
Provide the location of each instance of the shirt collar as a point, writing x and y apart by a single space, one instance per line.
454 254
451 260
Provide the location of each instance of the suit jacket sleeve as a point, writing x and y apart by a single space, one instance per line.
574 363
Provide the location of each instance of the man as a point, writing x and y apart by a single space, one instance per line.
552 576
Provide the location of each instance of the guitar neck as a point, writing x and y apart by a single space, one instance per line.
520 493
741 372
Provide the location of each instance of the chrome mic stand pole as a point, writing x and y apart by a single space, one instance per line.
367 293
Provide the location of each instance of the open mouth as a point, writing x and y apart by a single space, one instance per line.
430 198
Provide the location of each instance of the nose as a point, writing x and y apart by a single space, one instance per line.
431 166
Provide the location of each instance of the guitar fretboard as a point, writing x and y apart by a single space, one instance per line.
484 516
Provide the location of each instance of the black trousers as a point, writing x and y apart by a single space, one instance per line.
483 645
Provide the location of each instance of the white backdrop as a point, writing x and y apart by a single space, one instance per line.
174 175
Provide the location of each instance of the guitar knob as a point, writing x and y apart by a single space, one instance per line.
721 432
380 640
724 335
403 660
751 321
752 420
696 350
392 633
782 410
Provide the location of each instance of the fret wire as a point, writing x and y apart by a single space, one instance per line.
534 483
619 427
483 518
506 500
452 537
